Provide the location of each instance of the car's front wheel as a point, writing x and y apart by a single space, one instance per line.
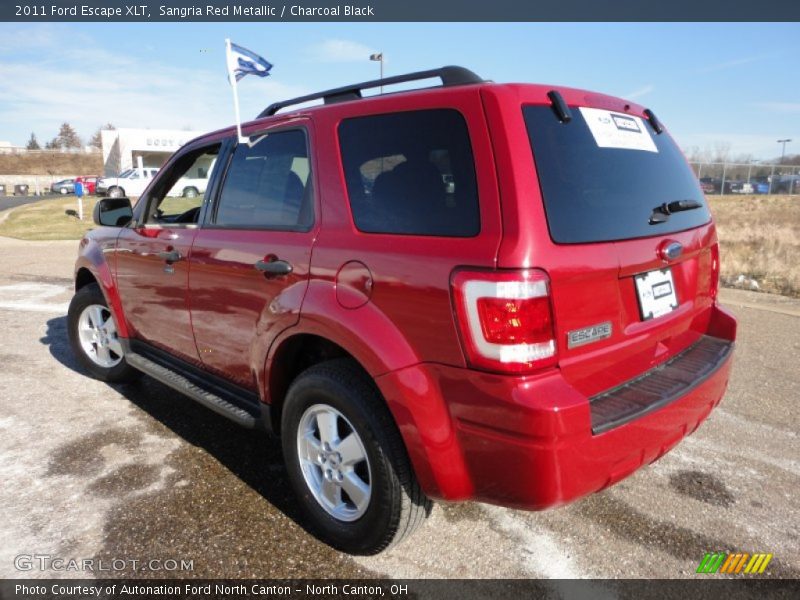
64 191
347 462
93 336
116 192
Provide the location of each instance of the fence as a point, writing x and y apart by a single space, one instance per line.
747 178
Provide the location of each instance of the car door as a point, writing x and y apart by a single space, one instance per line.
249 266
152 260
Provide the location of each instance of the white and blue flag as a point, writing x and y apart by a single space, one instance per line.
242 61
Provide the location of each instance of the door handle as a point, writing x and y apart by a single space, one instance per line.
274 267
170 257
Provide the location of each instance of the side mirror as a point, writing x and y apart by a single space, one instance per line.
113 212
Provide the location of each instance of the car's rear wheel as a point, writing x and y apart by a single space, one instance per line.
93 336
64 191
191 192
347 462
116 192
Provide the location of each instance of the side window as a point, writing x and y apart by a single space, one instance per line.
179 195
268 185
411 173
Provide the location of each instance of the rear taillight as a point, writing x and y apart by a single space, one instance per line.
505 319
714 271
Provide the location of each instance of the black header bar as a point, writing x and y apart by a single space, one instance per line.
397 10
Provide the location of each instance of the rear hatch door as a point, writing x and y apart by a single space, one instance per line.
595 220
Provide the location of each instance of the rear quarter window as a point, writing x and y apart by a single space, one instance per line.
411 173
596 194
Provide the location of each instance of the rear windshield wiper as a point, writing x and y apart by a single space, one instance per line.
661 213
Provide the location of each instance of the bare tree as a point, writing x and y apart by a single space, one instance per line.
693 154
97 138
722 151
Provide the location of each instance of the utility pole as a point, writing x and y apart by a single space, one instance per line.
783 148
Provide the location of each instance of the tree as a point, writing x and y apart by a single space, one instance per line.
68 137
722 151
97 138
33 143
52 144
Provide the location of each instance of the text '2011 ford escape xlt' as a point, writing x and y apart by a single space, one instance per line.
504 293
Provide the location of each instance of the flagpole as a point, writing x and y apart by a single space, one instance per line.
233 82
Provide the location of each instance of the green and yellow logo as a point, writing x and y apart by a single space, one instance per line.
739 562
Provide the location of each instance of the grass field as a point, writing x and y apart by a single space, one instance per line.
759 235
51 162
760 239
49 220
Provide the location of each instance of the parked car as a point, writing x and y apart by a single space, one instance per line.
786 184
131 182
711 185
89 184
63 187
714 185
707 186
535 332
737 186
760 185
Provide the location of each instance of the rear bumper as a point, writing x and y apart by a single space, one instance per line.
528 442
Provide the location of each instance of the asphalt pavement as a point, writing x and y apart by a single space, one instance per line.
139 472
7 202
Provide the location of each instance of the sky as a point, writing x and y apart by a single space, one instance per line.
712 84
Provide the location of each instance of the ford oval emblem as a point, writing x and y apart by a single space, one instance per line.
670 250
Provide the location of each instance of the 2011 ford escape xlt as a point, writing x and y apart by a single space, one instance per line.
504 293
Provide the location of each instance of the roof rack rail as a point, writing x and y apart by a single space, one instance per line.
450 75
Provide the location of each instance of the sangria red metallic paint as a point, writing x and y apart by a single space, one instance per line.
519 437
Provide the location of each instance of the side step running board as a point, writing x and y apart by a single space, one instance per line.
195 392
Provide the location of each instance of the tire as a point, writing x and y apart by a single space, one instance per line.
63 191
191 192
116 192
339 391
93 337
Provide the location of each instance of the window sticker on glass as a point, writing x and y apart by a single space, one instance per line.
615 130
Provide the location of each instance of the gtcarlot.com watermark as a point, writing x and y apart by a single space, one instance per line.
50 562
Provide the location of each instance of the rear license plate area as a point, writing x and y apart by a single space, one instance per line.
655 291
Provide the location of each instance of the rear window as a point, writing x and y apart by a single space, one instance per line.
603 185
411 173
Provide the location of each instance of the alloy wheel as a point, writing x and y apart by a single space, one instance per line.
98 336
334 462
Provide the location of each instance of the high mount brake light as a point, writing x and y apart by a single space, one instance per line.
505 318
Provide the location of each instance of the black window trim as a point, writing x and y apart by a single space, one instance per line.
211 213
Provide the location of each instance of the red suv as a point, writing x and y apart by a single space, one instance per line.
477 291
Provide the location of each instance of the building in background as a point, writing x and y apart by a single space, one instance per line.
9 148
122 148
